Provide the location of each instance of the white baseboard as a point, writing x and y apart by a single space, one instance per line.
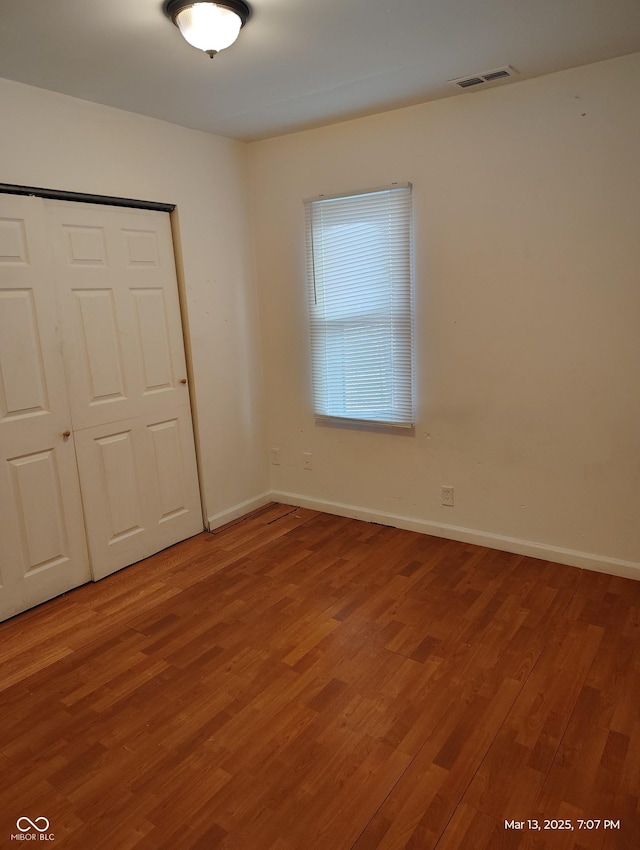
237 511
570 557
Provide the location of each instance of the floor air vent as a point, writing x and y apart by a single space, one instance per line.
485 77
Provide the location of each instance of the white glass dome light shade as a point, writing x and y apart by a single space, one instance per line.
209 27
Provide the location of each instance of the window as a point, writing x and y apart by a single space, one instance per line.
360 301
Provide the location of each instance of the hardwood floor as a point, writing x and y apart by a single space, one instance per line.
300 681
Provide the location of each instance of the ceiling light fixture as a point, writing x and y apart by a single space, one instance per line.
206 25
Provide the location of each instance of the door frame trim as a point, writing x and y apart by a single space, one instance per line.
84 198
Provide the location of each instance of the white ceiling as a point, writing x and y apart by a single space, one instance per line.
300 63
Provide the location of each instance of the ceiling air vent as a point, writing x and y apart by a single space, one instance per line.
485 77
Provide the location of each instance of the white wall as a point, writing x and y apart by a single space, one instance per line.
58 142
527 255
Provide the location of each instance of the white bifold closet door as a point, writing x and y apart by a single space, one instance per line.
42 536
97 293
114 273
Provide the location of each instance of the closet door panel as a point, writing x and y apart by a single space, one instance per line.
138 487
116 283
43 551
124 354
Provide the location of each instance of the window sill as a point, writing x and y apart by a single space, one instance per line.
365 425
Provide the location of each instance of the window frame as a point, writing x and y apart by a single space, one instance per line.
395 337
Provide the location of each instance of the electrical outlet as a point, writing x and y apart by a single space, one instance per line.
274 453
306 460
447 496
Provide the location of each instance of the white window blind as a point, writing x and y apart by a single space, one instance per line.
360 299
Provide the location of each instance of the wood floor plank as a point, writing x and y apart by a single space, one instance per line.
299 681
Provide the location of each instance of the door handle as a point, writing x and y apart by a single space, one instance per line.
66 435
183 380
